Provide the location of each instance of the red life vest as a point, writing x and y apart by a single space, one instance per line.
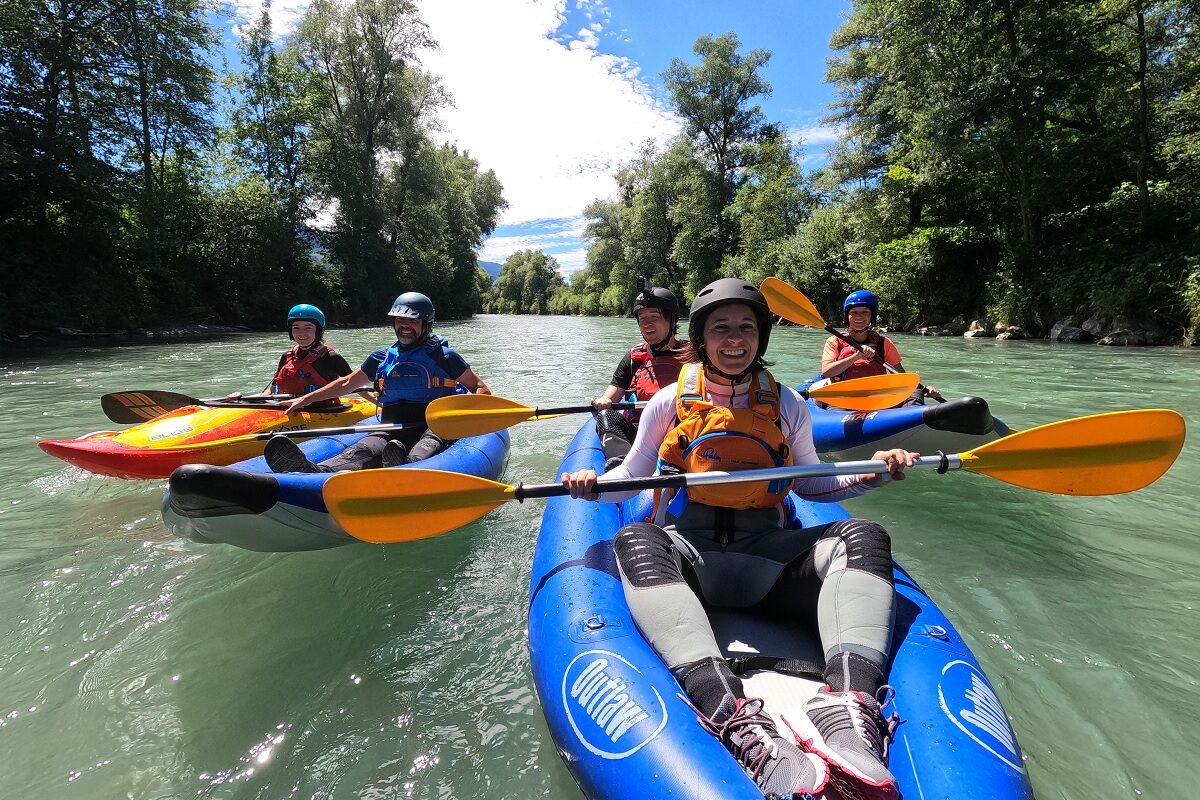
652 371
862 368
298 376
710 437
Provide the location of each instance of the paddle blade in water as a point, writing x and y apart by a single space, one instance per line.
872 393
461 415
401 505
790 303
1113 453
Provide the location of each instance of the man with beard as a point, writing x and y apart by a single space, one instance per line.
418 368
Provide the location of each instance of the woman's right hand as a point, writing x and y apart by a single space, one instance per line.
581 483
602 404
234 396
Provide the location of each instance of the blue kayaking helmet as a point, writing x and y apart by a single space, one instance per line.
309 313
860 298
413 305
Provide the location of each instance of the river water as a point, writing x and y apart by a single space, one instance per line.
136 665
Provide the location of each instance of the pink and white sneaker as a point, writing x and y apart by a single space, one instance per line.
848 730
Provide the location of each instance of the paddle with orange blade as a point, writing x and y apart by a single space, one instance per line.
790 303
872 393
1103 454
457 416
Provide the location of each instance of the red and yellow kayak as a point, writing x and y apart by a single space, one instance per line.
192 435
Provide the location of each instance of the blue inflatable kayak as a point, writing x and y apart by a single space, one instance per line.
249 506
616 714
952 427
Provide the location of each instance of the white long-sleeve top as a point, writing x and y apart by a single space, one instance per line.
658 417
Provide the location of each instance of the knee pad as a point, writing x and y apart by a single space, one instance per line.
646 556
868 546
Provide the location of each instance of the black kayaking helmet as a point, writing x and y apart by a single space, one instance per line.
723 292
414 305
657 297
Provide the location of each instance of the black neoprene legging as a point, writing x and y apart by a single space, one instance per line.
367 453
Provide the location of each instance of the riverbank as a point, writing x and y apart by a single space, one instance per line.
76 336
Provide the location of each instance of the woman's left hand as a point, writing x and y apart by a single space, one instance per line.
897 460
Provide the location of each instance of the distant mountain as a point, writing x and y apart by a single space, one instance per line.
491 268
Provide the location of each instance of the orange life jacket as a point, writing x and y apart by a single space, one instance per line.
298 376
709 438
862 368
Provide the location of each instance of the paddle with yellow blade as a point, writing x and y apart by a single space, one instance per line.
790 303
1112 453
458 416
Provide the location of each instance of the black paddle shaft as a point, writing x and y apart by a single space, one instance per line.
539 411
523 492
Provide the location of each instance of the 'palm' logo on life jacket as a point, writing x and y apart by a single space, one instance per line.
709 454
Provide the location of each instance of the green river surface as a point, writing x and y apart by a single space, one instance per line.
137 665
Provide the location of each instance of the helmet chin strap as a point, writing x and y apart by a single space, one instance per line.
733 379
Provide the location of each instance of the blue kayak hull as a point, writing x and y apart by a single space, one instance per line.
617 716
952 427
249 506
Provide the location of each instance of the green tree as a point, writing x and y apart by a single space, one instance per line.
651 189
997 137
363 52
772 202
716 100
527 284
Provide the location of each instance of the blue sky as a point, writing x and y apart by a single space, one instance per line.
557 95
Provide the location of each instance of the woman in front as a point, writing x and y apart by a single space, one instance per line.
732 540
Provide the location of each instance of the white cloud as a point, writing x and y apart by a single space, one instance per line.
571 261
820 136
552 116
500 247
554 120
286 15
588 40
817 142
560 238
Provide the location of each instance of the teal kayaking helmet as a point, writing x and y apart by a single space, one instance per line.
308 313
413 305
860 298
